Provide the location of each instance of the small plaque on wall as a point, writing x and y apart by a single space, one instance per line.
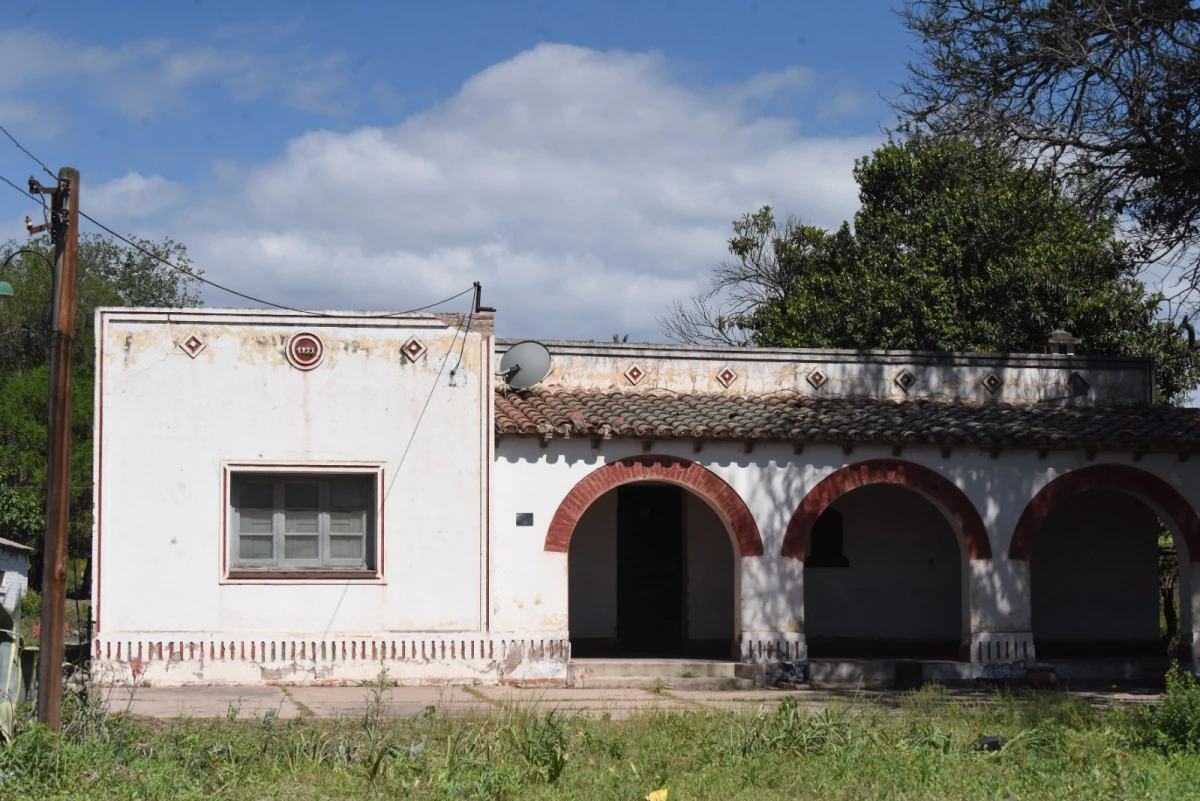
524 518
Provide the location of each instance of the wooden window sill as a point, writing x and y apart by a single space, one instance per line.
304 575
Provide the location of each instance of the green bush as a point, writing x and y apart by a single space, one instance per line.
31 605
1175 723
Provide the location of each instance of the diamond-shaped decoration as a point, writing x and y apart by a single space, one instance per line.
1077 384
726 377
817 378
906 380
414 348
991 382
193 345
635 374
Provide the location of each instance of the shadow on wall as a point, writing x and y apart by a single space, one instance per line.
772 481
884 547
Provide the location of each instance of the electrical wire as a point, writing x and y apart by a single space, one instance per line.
222 287
463 347
35 198
428 398
24 193
192 274
27 153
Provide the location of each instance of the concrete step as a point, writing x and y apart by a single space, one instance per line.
662 668
691 674
881 673
707 683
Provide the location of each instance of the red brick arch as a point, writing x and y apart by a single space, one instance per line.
933 486
670 469
1142 485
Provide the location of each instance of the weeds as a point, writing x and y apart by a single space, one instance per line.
136 669
1043 746
788 730
375 721
1175 724
540 740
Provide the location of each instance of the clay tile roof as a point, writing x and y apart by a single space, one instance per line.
794 417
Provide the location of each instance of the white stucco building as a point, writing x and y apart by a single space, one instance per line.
14 572
302 498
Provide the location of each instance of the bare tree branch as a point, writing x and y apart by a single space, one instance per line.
1102 90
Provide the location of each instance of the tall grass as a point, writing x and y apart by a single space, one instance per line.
1053 747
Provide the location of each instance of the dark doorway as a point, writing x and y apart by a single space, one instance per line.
1095 580
883 579
650 570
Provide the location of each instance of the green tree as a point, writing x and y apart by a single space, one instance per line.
110 274
955 247
1103 90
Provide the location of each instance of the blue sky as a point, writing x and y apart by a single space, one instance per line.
582 160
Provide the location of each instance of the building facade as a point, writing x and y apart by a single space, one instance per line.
306 498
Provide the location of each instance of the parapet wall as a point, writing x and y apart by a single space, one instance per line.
895 375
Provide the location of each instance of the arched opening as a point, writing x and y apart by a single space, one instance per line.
1095 580
898 586
884 577
1099 531
655 547
652 572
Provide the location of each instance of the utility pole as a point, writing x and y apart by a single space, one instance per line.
64 226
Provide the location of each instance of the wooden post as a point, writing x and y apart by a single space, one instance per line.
65 227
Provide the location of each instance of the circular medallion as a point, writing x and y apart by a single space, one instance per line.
305 351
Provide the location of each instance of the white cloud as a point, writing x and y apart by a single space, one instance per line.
586 190
769 85
143 77
131 197
39 120
843 103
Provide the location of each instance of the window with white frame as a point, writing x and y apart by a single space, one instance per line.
302 522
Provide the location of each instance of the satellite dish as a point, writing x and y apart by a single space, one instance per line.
525 364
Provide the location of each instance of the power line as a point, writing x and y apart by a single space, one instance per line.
183 270
201 279
35 198
27 153
23 192
230 290
425 407
462 349
192 274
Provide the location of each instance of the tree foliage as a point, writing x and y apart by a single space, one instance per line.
955 247
1105 91
110 274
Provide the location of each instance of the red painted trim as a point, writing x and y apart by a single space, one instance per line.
376 470
1142 485
671 469
305 576
488 399
930 484
381 532
361 468
99 484
226 477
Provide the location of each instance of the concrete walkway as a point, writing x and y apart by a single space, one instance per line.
333 702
